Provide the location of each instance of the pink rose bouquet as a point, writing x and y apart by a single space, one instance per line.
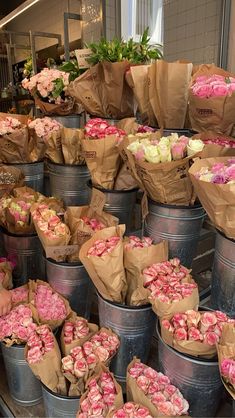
79 365
214 183
171 287
213 86
17 326
226 356
76 331
219 173
193 332
20 295
93 223
98 129
43 356
103 247
131 410
154 390
48 84
136 242
44 127
103 394
48 306
101 152
9 125
50 229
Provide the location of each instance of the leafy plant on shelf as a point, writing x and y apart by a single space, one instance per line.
119 50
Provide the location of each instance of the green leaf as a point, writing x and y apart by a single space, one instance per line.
59 86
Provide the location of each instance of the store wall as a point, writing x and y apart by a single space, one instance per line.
192 30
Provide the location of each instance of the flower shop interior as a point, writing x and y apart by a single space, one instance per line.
117 208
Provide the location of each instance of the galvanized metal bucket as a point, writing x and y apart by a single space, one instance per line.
134 325
198 380
24 387
120 203
34 174
72 281
179 225
58 406
70 121
69 182
185 132
223 275
27 252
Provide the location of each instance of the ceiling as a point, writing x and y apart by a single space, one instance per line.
7 6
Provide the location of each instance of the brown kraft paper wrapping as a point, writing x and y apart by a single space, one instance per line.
102 159
71 146
15 147
118 98
124 179
166 310
48 370
167 182
217 199
87 90
5 267
135 394
129 125
66 348
54 148
107 272
37 146
217 113
63 109
137 259
140 83
16 174
214 150
171 88
118 400
79 230
129 159
226 350
193 348
32 284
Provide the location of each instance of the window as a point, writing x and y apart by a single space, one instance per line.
136 15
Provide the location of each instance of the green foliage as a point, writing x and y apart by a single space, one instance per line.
59 86
72 68
119 50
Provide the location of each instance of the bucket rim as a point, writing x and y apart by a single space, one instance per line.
55 115
29 163
125 307
102 189
22 345
62 263
57 395
224 236
5 232
49 162
165 205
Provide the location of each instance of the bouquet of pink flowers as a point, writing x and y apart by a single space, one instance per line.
171 287
79 365
47 305
193 332
101 152
20 295
9 125
44 127
17 326
103 394
212 99
49 90
130 410
154 391
214 182
76 331
226 356
139 253
43 356
102 256
46 135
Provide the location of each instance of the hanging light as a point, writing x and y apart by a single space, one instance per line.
16 12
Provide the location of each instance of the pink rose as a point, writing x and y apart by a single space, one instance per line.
219 90
211 338
202 91
180 334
